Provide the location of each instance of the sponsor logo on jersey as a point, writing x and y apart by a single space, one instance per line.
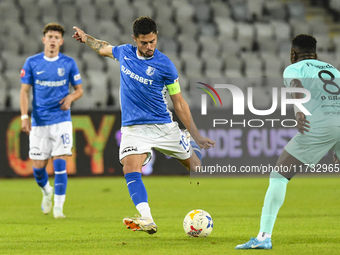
51 83
77 77
126 58
328 66
40 72
136 77
176 80
128 149
61 71
150 71
22 73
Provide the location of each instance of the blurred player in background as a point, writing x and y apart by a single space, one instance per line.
318 132
50 134
146 74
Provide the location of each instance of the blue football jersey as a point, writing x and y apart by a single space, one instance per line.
323 82
143 84
49 78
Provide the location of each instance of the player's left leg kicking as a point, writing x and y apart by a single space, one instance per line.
132 165
139 195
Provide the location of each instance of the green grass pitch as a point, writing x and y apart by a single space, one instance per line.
308 223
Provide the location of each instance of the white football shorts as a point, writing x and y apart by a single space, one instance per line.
166 138
51 140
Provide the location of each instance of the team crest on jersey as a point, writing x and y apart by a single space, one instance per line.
61 71
150 71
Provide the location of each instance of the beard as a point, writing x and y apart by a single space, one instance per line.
145 54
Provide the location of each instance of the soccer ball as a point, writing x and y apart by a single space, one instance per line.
198 223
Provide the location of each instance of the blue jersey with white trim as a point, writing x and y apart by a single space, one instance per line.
49 78
143 86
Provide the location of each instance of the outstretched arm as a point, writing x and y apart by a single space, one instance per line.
183 112
101 47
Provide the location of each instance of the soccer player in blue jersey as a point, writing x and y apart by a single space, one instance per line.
146 75
318 132
50 134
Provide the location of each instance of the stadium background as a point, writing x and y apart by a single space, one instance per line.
232 40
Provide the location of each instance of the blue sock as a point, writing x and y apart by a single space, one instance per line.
196 149
40 176
60 180
136 188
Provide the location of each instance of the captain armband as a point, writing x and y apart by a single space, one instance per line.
174 88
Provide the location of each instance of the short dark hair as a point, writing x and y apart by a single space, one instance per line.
54 27
144 25
304 43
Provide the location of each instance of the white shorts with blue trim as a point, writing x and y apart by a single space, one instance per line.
51 140
166 138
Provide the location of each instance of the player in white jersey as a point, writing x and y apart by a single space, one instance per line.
50 133
146 75
318 132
